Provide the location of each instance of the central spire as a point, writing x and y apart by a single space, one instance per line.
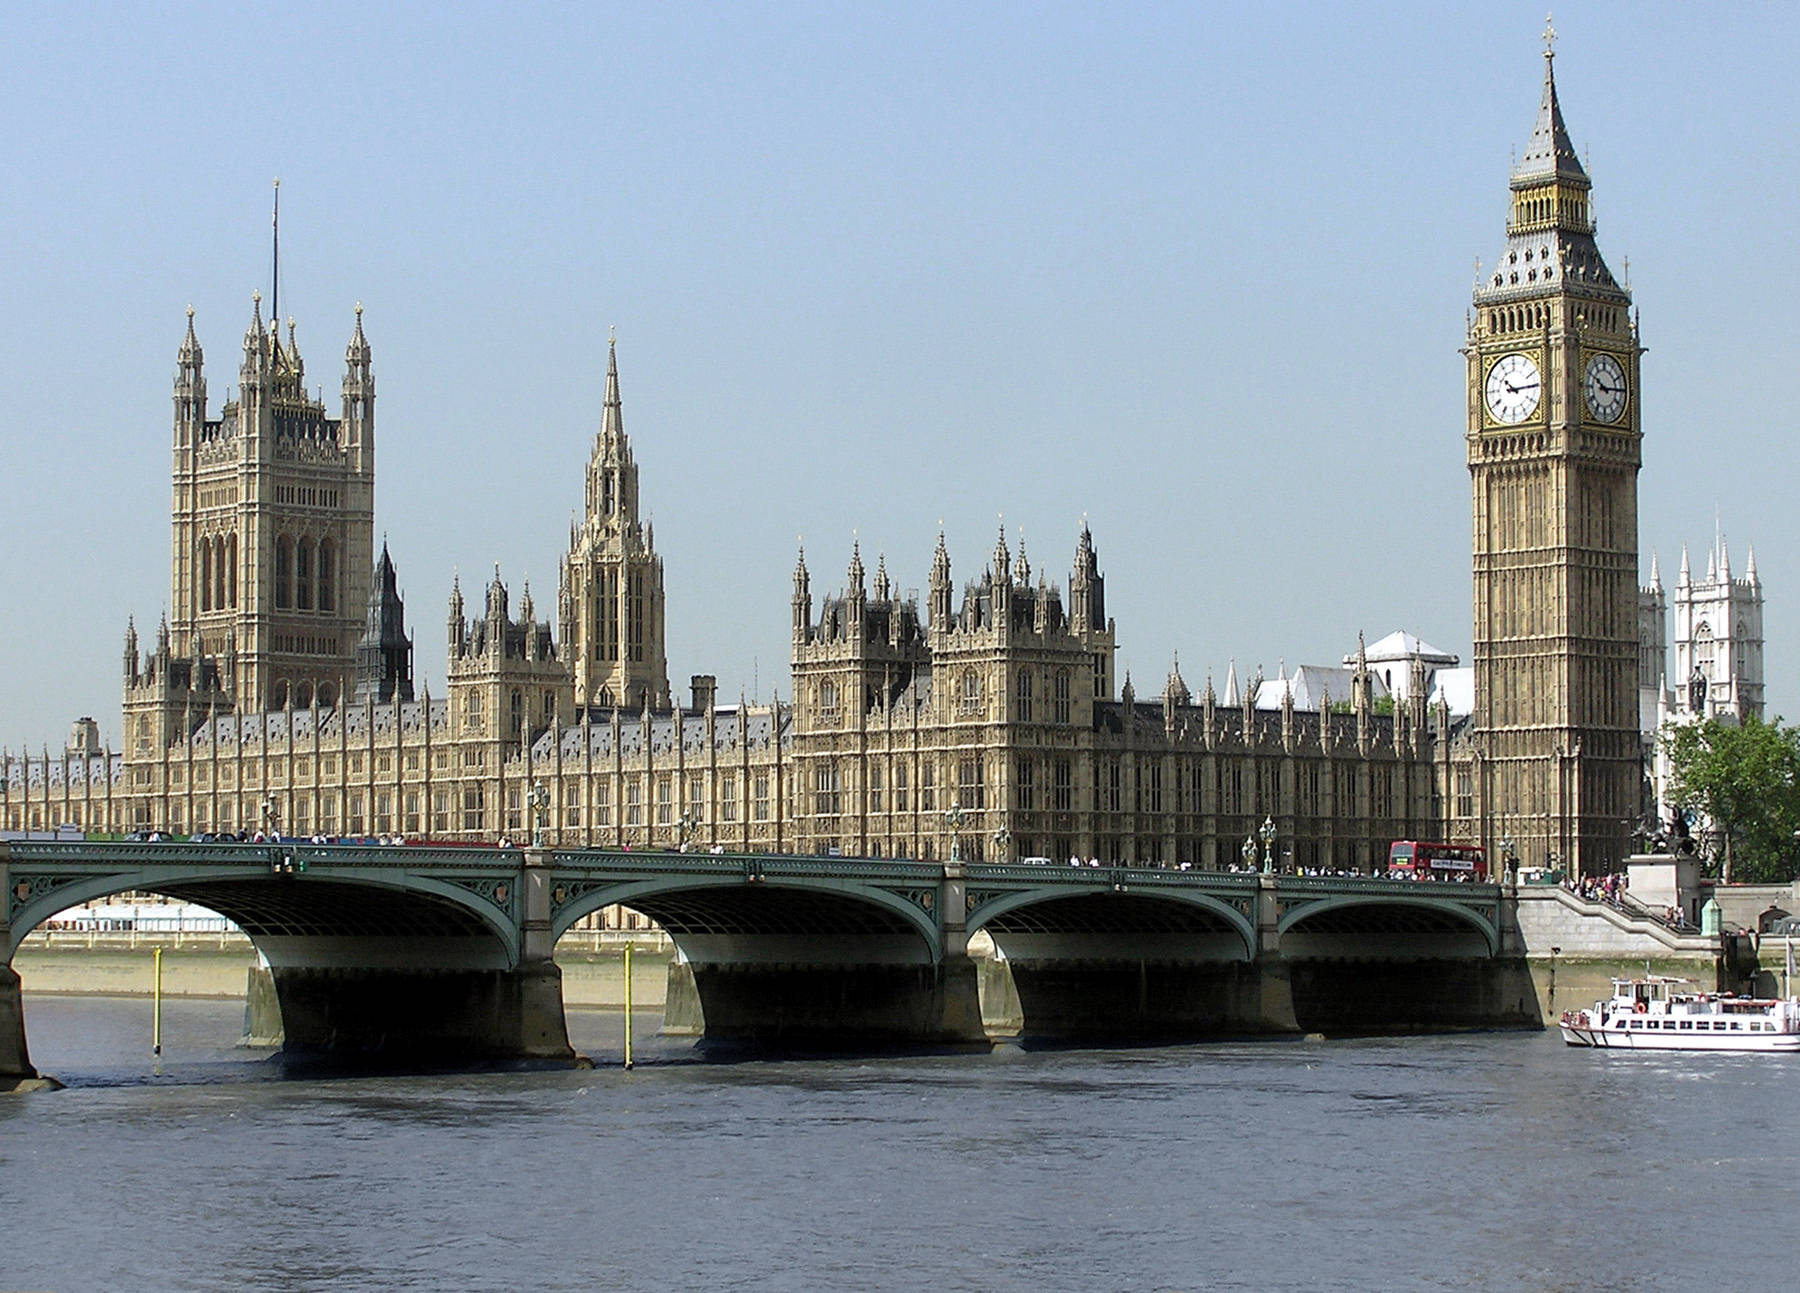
1549 151
612 416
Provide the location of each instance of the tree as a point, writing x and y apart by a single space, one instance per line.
1743 780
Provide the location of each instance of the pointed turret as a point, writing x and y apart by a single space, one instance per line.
359 389
1232 698
131 651
882 588
1750 566
802 602
190 389
1683 579
1087 589
457 623
940 585
256 366
496 607
287 358
1656 574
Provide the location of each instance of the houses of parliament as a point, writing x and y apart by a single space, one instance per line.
278 693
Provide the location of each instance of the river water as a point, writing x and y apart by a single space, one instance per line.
1496 1161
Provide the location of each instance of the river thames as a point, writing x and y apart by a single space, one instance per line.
1491 1161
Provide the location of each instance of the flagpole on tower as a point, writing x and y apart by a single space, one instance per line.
275 264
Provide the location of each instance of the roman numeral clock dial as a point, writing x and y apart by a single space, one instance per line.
1513 388
1603 386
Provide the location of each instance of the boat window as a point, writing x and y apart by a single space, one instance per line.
1718 1025
1687 1023
1637 1023
1736 1026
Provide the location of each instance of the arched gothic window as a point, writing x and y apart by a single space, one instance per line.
303 575
284 573
328 562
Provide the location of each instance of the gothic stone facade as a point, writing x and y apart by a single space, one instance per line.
1003 708
994 719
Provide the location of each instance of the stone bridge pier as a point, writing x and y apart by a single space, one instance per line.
432 987
1142 964
385 957
804 962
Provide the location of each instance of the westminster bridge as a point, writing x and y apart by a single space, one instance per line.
446 952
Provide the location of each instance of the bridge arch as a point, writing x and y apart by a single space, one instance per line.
328 903
1054 909
691 907
1386 914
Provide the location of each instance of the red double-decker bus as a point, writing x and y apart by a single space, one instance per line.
1421 860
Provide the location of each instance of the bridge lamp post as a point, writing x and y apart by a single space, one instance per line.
268 815
953 818
1002 841
540 809
683 829
1509 858
1267 831
1249 852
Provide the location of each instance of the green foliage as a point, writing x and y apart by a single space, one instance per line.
1745 781
1382 705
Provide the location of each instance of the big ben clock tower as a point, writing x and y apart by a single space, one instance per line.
1554 449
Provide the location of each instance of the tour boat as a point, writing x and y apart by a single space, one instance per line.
1663 1014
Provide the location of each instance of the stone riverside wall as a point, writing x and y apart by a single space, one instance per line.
1599 943
1550 916
205 969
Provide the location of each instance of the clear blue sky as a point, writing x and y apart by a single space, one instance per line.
1197 273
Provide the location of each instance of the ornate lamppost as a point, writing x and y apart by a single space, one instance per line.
684 829
540 808
1510 859
1267 832
268 815
1002 841
953 818
1249 852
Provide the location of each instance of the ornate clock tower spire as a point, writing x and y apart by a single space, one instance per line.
1554 449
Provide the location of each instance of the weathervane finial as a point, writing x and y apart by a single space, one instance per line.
1549 37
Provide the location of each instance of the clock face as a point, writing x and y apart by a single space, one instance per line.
1603 386
1513 387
